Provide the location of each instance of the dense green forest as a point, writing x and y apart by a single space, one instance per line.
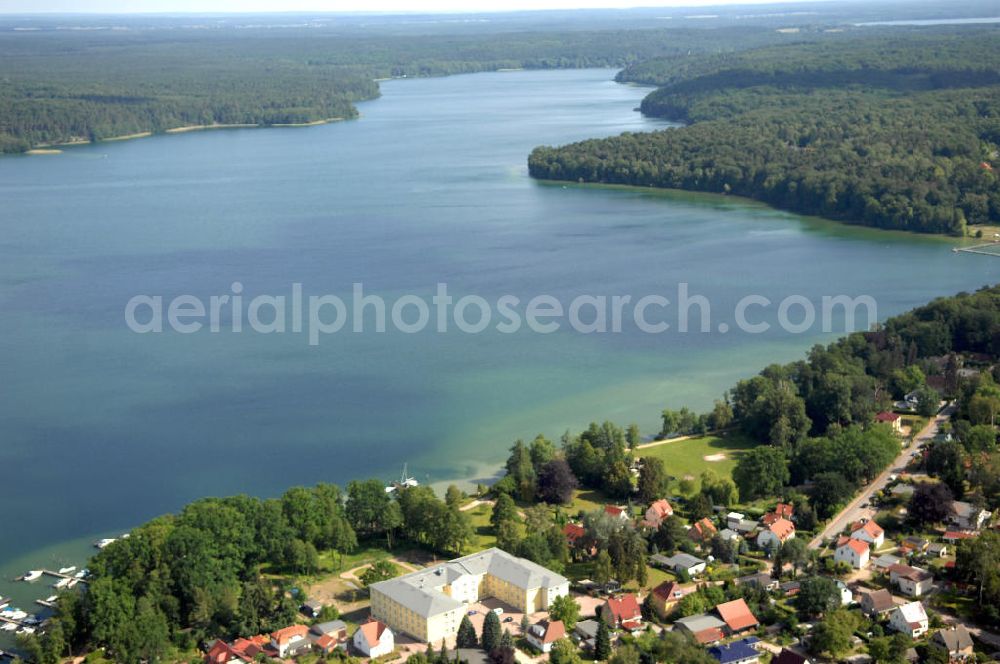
898 134
58 86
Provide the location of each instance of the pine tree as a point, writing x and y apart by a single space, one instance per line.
491 632
602 644
507 640
466 634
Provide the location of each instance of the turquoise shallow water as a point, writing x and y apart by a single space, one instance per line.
101 428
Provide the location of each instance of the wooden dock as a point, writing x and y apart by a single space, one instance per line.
982 250
60 575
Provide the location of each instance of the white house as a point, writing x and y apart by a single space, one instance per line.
852 551
911 581
846 596
967 517
910 619
374 639
869 532
733 519
290 640
544 634
776 534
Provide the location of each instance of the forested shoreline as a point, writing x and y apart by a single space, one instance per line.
71 86
898 134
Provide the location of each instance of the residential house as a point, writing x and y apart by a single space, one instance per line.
787 656
656 513
877 603
902 490
955 536
703 627
733 519
585 633
374 639
702 531
429 604
746 527
743 651
957 641
852 551
729 535
290 641
253 646
616 512
937 550
760 579
737 616
681 563
776 534
964 516
223 653
892 419
914 544
622 612
543 634
576 539
668 595
329 636
910 619
911 581
869 531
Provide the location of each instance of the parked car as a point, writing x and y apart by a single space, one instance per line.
498 611
472 613
508 619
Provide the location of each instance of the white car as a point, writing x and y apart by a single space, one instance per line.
498 611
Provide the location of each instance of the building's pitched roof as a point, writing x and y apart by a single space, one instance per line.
286 634
624 608
587 628
789 657
870 528
702 529
887 560
913 613
957 535
684 560
372 632
728 534
548 631
614 510
782 529
879 600
785 510
331 627
671 590
706 628
762 579
573 532
860 547
735 651
222 652
737 615
326 641
955 638
886 416
770 518
914 574
421 591
662 508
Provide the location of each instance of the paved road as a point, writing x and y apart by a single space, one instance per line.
854 510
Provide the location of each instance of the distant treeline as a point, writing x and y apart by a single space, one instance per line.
63 86
899 134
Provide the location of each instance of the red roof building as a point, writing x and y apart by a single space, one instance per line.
737 615
702 531
618 611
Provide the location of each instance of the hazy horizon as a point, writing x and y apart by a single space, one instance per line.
371 7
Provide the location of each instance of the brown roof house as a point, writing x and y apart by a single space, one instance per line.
877 602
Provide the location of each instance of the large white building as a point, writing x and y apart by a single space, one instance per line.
910 619
429 604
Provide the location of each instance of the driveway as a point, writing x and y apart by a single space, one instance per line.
854 510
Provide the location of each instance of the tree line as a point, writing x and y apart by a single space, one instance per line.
900 135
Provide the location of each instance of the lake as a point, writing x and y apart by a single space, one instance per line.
103 428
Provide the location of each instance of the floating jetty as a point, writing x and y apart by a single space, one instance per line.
63 578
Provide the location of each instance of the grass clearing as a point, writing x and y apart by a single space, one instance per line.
694 456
